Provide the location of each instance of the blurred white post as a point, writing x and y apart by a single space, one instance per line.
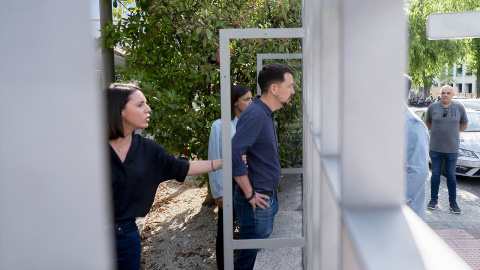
453 25
54 201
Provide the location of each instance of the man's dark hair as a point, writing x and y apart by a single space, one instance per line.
118 94
271 74
236 92
408 81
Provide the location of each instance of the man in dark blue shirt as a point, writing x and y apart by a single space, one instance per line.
255 198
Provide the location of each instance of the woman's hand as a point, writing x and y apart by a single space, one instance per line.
244 158
217 164
219 202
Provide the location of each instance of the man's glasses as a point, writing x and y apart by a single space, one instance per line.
445 113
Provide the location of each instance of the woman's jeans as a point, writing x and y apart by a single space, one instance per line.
253 225
128 245
437 159
219 242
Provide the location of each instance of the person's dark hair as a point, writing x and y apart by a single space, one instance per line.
272 73
408 81
236 92
118 94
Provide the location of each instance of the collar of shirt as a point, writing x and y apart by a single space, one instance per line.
264 106
130 152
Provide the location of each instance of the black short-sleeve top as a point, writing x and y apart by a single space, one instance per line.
135 181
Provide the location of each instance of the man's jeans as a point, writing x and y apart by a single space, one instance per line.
253 225
450 165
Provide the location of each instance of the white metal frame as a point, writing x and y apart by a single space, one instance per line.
229 244
263 56
260 58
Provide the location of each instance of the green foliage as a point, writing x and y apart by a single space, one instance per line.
474 59
445 78
428 58
171 50
122 8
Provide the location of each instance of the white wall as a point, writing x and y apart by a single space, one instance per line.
354 142
53 187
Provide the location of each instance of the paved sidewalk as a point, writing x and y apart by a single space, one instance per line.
288 224
460 231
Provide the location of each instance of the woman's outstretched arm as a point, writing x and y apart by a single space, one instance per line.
204 166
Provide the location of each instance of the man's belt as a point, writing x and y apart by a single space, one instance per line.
268 193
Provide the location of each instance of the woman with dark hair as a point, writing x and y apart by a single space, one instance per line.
240 98
138 166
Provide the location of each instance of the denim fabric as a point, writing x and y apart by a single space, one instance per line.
253 225
416 163
128 245
450 165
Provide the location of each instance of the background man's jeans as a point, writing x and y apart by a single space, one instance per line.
253 225
450 165
219 242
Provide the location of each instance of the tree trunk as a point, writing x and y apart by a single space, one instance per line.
478 82
426 91
426 86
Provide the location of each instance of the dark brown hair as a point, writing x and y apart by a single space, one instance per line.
118 94
271 74
236 92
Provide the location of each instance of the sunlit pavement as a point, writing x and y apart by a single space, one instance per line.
460 231
288 224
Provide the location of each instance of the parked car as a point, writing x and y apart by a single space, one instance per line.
473 104
468 163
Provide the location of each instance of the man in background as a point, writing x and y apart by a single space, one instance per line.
445 120
255 198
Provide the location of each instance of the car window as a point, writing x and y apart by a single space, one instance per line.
473 121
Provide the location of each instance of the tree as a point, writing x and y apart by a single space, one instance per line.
474 60
172 51
428 58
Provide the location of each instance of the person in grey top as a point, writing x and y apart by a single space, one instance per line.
445 120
